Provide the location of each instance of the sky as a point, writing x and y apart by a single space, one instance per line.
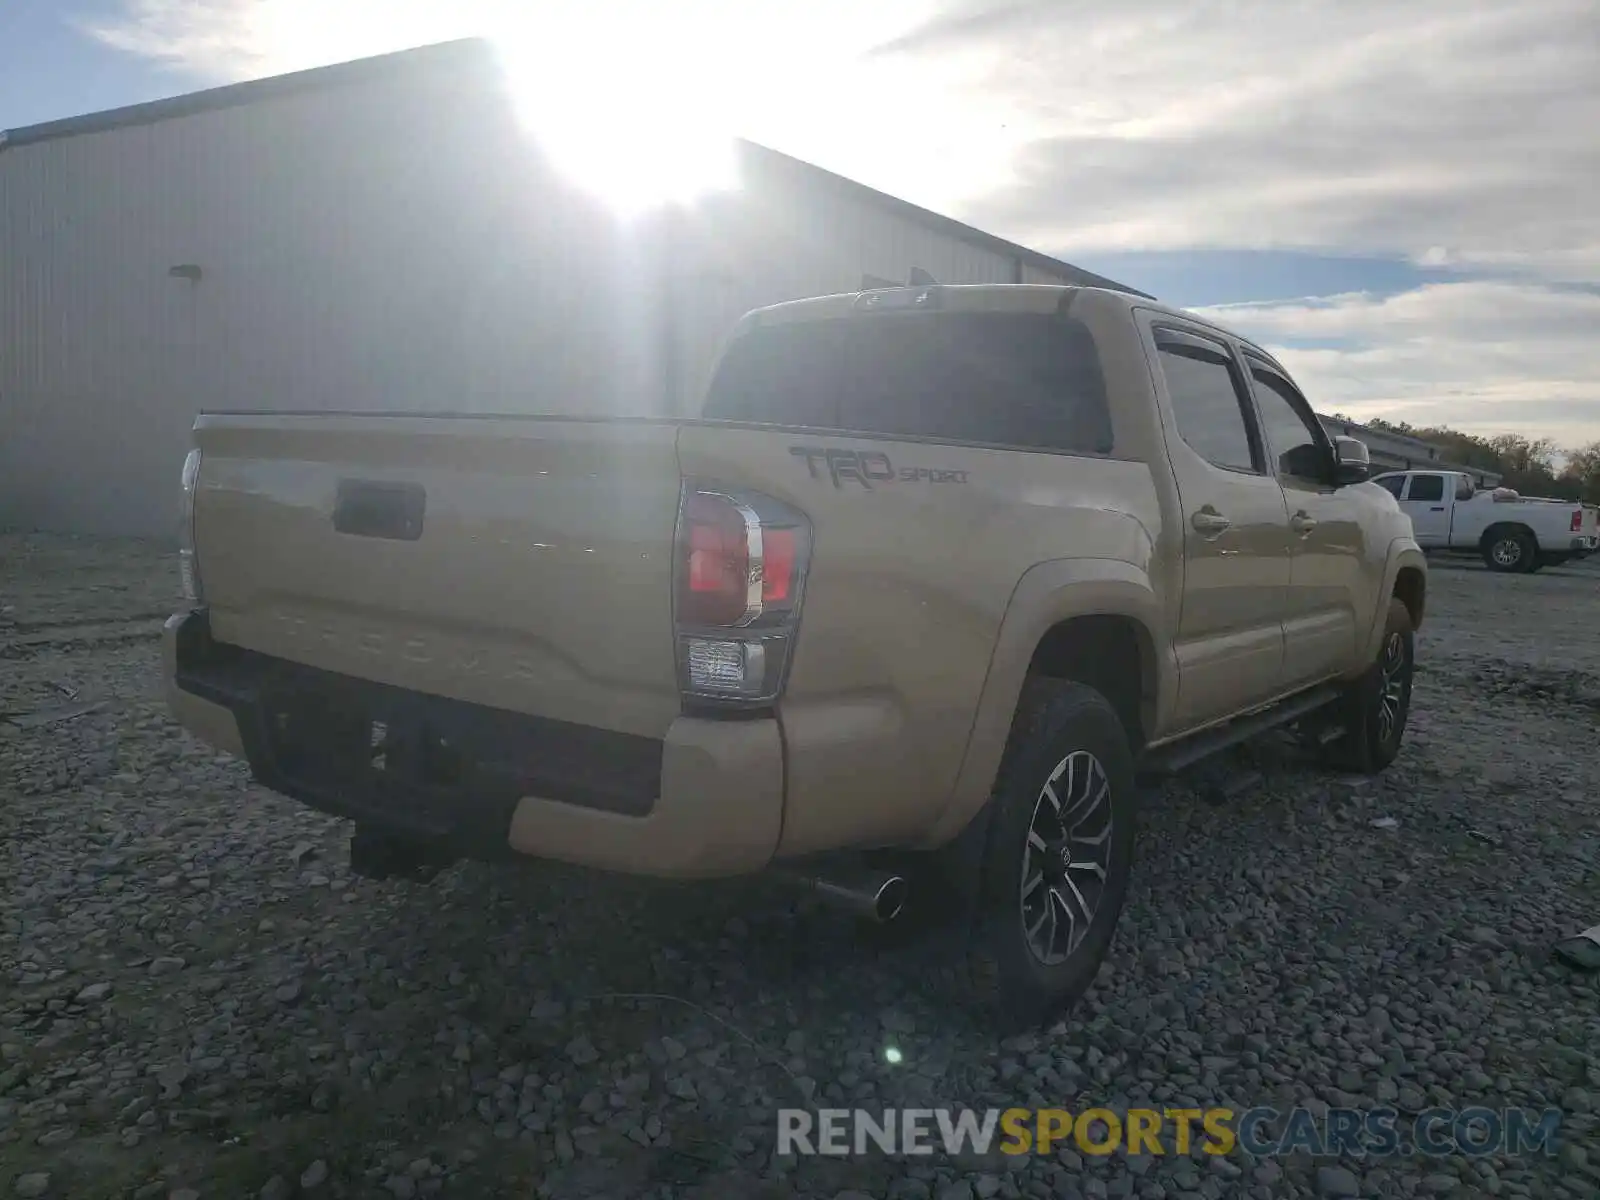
1399 199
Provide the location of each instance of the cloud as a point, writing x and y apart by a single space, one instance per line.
1449 132
1483 356
1454 135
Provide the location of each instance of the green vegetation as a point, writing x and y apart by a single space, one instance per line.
1526 464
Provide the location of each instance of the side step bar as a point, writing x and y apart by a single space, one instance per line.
1175 756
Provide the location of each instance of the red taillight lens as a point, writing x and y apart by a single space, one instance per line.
777 579
716 577
1577 520
741 570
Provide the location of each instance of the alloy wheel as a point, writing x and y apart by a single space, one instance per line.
1394 670
1066 858
1507 552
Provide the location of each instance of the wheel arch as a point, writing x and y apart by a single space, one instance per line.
1500 528
1065 617
1411 589
1405 578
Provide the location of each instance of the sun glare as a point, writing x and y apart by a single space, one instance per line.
626 118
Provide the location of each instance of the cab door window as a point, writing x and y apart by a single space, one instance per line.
1295 442
1426 489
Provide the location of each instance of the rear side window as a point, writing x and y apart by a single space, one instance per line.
1012 379
1207 403
1427 487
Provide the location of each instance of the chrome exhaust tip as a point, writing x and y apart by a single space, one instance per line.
877 895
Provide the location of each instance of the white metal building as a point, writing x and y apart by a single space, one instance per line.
1396 452
378 235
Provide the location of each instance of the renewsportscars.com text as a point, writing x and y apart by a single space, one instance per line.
1261 1132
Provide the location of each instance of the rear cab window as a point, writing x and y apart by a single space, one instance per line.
1024 380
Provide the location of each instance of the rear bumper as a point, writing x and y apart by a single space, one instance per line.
705 800
1585 545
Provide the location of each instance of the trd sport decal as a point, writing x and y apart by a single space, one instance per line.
868 468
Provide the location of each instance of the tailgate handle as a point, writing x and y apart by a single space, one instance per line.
380 509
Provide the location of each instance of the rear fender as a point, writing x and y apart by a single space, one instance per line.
1047 595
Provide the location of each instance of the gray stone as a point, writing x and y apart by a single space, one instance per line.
895 1021
1336 1181
314 1176
276 1188
33 1184
582 1051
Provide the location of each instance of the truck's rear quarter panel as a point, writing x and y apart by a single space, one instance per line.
910 580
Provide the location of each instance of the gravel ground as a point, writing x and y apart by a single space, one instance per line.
198 1000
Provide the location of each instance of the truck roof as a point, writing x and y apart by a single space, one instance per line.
975 297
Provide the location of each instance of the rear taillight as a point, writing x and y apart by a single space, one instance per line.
742 559
1577 520
188 565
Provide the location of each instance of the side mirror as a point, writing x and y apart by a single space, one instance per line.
1352 461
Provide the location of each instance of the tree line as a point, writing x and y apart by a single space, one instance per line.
1526 464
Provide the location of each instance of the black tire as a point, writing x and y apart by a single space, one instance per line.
1371 742
1510 551
1062 729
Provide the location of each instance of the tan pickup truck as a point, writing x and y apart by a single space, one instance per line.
900 616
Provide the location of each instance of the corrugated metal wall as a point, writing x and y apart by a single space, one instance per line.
396 244
1033 273
366 248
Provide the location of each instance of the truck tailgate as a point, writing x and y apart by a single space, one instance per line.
520 563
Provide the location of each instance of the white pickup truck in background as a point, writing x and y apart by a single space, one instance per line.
1512 533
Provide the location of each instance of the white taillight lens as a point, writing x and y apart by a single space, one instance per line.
188 565
742 559
725 667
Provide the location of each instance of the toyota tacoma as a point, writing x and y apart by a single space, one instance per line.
902 614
